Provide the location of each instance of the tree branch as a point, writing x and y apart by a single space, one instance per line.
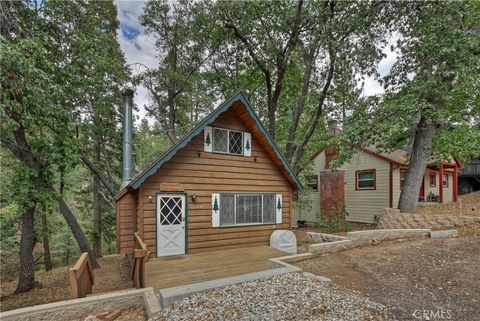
313 125
108 185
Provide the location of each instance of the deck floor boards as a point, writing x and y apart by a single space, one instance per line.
185 269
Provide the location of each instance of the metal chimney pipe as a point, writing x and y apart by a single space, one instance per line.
127 164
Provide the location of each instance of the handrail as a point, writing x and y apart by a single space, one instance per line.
140 257
81 277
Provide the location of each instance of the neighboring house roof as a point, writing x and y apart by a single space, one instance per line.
398 156
259 130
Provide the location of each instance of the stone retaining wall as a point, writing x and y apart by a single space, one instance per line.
392 219
362 238
376 236
78 309
316 237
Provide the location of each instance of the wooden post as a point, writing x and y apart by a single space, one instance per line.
140 256
455 183
81 277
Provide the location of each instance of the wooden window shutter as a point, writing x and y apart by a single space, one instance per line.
215 210
278 208
207 139
247 144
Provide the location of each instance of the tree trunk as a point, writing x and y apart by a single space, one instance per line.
312 127
421 152
47 258
77 231
26 279
97 218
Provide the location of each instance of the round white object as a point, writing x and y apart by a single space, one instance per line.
284 240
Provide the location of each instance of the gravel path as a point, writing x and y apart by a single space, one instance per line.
286 297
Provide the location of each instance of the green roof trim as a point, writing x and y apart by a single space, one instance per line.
152 168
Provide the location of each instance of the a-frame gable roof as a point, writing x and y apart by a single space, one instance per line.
248 114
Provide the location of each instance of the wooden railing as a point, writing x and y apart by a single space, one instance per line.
140 257
81 277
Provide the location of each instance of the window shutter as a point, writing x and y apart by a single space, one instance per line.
247 144
207 139
278 208
215 210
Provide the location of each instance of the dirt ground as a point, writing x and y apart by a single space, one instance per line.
55 285
412 277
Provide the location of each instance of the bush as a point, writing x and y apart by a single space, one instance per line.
335 221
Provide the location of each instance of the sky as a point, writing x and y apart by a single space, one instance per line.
140 48
136 46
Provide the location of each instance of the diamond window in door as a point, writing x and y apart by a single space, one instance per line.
170 210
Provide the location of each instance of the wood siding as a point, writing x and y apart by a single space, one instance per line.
204 173
447 192
312 214
363 205
126 215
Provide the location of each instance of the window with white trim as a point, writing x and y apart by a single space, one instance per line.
246 209
227 141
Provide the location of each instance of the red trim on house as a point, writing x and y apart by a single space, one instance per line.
374 180
440 183
455 184
379 155
421 193
316 154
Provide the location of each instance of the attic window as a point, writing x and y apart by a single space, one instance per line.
365 179
227 141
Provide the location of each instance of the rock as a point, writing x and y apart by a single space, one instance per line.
323 278
444 234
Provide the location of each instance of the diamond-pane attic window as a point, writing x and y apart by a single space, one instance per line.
227 141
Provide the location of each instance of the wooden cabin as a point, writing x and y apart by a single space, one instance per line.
224 185
370 182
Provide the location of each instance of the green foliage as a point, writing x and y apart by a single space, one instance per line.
150 141
335 221
61 73
435 78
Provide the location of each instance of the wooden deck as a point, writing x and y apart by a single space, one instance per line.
185 269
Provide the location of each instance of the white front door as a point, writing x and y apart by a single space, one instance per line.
170 224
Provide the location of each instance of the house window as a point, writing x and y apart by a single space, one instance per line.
433 179
227 141
445 180
403 172
365 179
247 209
313 182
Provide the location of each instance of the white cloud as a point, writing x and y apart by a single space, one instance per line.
138 49
372 86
